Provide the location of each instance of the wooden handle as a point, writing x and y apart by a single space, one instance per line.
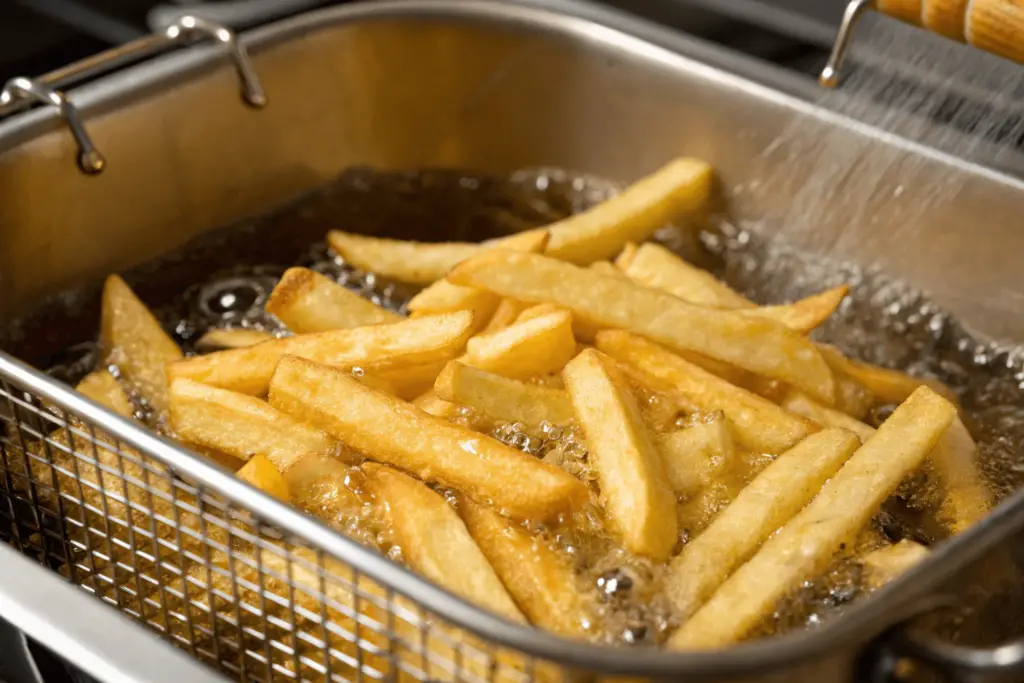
996 26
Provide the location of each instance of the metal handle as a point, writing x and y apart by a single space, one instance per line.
996 26
20 92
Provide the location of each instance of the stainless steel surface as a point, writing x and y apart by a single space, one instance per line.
22 92
428 83
46 608
89 158
830 74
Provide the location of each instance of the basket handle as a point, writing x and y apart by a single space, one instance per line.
996 26
17 665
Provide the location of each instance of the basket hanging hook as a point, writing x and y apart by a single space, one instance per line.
854 11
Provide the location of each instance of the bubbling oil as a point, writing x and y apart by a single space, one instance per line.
882 321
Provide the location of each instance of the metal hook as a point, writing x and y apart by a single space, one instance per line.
252 90
89 158
854 11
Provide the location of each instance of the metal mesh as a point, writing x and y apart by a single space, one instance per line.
215 578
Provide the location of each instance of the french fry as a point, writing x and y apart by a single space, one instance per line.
758 423
767 502
307 301
391 431
798 403
539 346
420 263
633 215
409 381
102 387
887 386
885 564
541 580
966 498
322 485
444 297
132 339
263 474
431 403
626 256
435 542
694 455
241 425
634 490
805 545
580 330
502 398
655 266
606 268
852 397
755 344
217 340
506 313
380 347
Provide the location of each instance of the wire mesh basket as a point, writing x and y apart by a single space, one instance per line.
237 579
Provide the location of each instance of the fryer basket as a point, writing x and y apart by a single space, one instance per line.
255 588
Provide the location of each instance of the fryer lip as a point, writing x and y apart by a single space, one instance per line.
577 21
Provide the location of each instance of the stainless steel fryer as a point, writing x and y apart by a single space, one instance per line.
410 84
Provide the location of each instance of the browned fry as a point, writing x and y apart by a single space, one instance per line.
806 544
103 388
307 301
887 386
541 580
757 422
435 542
217 340
634 490
419 263
133 340
500 397
538 346
381 347
756 344
633 215
392 431
242 425
768 502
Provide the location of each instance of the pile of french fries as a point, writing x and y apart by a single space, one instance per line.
725 444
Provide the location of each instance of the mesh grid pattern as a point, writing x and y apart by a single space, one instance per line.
213 577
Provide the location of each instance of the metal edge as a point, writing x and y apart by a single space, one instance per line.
576 19
63 617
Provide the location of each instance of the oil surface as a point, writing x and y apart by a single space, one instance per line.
223 279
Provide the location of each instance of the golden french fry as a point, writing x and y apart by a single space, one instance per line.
217 340
655 266
767 502
887 386
391 431
756 344
606 268
852 397
626 256
541 580
699 510
885 564
506 314
102 387
241 425
966 498
539 346
633 215
132 339
435 542
323 486
406 382
580 329
502 398
263 474
798 403
444 297
380 347
694 455
757 423
634 490
805 545
419 263
805 314
431 403
307 301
